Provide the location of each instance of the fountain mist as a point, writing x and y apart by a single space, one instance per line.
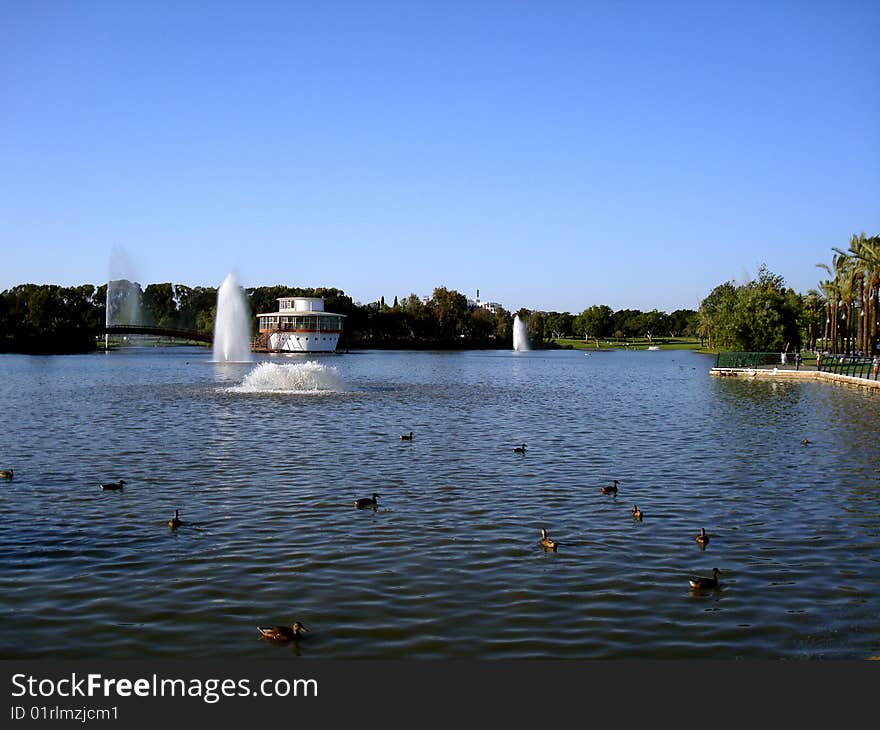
232 325
520 335
124 295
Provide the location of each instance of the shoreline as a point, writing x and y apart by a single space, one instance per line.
778 374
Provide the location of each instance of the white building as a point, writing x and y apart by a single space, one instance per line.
300 325
480 304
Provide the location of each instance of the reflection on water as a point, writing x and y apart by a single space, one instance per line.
450 563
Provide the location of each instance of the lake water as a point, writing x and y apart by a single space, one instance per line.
449 565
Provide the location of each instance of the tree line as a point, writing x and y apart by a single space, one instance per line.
764 315
50 318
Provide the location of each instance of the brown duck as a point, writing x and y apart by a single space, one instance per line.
546 542
699 582
283 633
367 502
612 489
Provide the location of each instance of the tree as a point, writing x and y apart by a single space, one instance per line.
160 306
717 317
760 315
558 324
450 310
594 322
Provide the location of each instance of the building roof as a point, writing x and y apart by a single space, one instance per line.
301 313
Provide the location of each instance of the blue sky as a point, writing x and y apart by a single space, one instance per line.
552 154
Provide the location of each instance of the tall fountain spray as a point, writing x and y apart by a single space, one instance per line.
520 335
232 325
124 294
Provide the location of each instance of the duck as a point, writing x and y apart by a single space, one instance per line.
612 489
283 633
521 449
702 538
6 474
698 582
404 437
546 542
175 521
110 486
806 442
637 513
367 502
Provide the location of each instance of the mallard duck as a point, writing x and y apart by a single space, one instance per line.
175 521
521 449
637 513
283 633
612 489
367 502
546 542
404 437
698 582
702 538
806 442
110 486
6 474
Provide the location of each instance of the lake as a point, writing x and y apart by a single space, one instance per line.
264 462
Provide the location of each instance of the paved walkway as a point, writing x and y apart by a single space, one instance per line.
790 373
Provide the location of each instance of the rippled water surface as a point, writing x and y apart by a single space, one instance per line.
265 467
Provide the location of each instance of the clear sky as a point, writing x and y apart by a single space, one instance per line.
552 154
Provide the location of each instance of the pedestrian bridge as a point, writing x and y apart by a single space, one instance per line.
137 329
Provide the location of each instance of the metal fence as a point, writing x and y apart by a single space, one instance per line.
750 359
854 366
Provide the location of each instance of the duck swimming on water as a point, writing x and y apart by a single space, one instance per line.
113 485
521 449
367 502
637 513
612 489
702 538
175 521
282 633
6 474
546 542
699 582
404 437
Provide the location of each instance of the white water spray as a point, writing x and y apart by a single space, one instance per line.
232 330
520 335
123 302
302 377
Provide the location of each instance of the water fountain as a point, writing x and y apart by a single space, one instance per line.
124 296
300 377
520 335
232 324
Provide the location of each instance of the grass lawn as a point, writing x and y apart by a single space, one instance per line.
638 343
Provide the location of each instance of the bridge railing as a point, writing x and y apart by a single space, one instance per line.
134 329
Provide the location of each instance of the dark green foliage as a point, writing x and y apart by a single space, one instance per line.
759 316
49 318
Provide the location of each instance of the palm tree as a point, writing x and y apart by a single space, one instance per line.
814 303
834 296
868 254
855 275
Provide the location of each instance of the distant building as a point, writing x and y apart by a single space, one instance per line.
478 303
